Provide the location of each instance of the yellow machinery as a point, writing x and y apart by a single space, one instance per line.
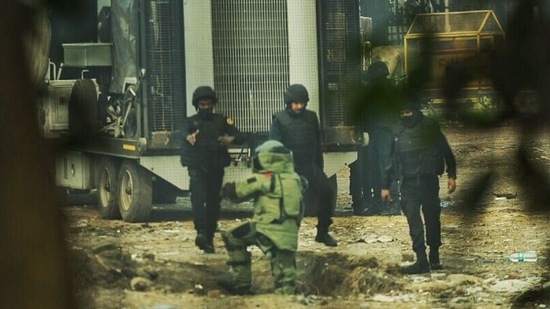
465 40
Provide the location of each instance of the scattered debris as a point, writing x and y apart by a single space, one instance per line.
505 195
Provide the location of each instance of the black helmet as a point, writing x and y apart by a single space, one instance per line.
377 69
204 92
296 93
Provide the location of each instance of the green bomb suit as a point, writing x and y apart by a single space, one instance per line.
278 205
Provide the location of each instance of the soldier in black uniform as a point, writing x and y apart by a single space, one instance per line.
421 154
377 105
204 152
298 129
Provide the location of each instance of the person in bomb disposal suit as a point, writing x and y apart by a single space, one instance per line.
204 152
278 207
298 129
421 154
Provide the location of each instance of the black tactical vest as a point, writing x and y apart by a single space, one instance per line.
300 134
207 151
418 150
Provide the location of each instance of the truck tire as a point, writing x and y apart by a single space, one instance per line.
83 108
107 188
135 192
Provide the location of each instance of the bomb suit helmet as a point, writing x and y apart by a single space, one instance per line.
273 156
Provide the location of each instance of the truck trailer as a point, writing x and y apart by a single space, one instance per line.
118 123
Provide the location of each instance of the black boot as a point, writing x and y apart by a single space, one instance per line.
435 264
205 242
324 237
421 266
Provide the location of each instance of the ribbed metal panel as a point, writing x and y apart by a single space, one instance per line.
165 66
340 42
250 42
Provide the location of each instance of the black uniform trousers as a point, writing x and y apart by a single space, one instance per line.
420 195
319 191
372 175
365 176
357 187
205 186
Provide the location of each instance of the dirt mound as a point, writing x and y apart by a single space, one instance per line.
110 267
341 275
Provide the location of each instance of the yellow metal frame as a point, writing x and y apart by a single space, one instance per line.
439 33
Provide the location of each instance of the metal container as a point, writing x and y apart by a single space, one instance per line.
87 54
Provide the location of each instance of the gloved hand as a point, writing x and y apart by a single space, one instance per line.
228 191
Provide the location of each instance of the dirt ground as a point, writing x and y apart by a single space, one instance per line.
156 265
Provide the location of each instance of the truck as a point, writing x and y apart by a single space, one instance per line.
118 124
